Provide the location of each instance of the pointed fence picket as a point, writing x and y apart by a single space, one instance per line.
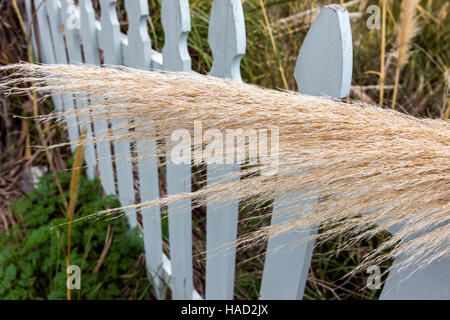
75 57
52 11
50 54
111 44
324 68
227 41
137 54
175 18
89 29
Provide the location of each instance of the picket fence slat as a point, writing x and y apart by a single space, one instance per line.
51 10
138 55
176 21
72 38
325 63
175 18
227 41
111 44
429 283
288 257
45 43
324 68
88 34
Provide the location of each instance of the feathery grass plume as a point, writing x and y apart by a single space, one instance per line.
408 31
370 169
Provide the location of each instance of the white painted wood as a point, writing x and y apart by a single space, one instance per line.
430 283
139 51
72 38
30 27
227 41
45 43
176 21
110 36
288 257
57 39
167 274
180 232
111 44
88 33
324 67
157 63
138 54
175 18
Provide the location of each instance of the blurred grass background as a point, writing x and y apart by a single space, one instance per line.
273 44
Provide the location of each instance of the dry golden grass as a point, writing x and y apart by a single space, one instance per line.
408 30
384 4
74 185
370 168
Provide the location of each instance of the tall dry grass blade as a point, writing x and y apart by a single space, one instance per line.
74 186
370 169
384 4
274 46
408 31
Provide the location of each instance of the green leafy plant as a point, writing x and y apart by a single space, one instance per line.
32 252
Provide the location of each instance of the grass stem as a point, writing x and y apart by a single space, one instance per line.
383 51
74 185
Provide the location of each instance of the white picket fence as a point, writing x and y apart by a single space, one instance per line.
71 34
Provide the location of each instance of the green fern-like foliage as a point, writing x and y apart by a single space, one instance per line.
32 252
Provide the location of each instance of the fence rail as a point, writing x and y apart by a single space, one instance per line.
71 34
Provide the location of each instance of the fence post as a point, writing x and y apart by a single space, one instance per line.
111 44
227 41
75 57
138 55
56 40
431 282
175 18
324 68
89 27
